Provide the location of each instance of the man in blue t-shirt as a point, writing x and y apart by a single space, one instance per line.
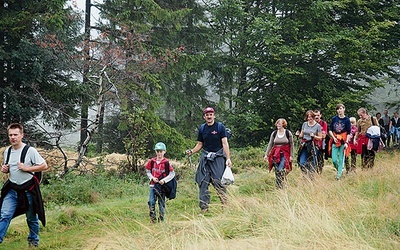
215 156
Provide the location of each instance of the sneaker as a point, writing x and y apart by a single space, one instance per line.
161 219
204 210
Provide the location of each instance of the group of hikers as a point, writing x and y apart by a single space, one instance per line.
342 140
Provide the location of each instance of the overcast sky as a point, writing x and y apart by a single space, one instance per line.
79 5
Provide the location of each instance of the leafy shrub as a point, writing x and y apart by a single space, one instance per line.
246 158
87 189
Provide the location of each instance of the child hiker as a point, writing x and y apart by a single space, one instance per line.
159 172
351 166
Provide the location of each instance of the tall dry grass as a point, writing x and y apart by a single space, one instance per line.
362 211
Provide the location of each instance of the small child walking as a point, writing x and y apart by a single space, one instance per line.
157 173
351 167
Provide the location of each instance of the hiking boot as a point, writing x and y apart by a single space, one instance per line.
152 214
161 218
32 243
280 178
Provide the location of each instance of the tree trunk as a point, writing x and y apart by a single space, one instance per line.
85 101
95 125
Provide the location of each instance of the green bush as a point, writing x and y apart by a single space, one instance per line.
246 158
87 189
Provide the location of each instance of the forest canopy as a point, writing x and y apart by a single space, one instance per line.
154 65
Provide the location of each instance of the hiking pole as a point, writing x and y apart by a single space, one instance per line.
189 154
190 164
190 161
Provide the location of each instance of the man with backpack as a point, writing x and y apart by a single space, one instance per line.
21 193
212 138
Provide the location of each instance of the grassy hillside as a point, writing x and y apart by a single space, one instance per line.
360 212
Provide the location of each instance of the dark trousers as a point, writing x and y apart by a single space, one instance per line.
367 157
387 142
351 166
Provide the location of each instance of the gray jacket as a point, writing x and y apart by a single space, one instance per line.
212 163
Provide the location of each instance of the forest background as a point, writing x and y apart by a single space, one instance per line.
146 76
154 65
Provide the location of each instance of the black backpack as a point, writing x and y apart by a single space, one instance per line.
168 188
37 175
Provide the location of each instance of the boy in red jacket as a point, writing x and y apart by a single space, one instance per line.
155 170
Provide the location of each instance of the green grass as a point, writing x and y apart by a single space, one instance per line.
362 211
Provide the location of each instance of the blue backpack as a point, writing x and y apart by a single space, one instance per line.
228 132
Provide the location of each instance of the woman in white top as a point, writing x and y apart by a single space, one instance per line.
279 152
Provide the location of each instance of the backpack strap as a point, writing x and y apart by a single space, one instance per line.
274 134
219 127
8 155
202 128
166 167
276 131
23 154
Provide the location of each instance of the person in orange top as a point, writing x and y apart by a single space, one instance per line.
339 128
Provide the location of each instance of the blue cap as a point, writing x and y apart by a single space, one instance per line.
160 146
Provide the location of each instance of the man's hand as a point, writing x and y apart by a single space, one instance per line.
21 166
5 168
228 162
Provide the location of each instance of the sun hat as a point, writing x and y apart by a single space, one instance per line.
160 146
208 110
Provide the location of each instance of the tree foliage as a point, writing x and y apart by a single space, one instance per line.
284 58
35 74
163 61
137 61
